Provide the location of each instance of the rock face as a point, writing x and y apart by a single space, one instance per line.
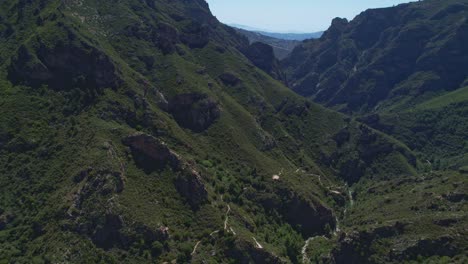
189 184
263 57
194 111
64 66
384 54
150 153
281 47
307 216
311 217
96 184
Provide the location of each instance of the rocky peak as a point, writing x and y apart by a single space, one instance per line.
337 27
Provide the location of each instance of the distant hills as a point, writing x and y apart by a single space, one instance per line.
282 43
281 35
281 47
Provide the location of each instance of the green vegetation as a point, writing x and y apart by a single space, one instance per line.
137 132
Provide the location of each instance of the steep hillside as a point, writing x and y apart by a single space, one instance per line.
142 131
408 52
389 66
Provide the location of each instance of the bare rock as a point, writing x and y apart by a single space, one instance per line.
151 153
194 111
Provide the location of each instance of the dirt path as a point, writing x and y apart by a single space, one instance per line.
257 245
227 217
195 248
305 257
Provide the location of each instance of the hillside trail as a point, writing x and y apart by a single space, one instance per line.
350 204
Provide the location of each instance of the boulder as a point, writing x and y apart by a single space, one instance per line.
99 184
311 217
307 216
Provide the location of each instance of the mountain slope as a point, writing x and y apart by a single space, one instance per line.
408 52
389 66
138 132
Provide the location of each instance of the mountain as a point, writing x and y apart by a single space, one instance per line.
280 35
292 36
281 47
388 66
148 132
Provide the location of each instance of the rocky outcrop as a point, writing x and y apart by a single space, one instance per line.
312 218
109 230
229 78
93 213
64 66
309 217
151 153
194 111
189 184
94 185
262 56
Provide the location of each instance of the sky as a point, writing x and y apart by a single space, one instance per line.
291 15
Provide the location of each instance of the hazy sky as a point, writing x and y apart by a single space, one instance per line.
291 15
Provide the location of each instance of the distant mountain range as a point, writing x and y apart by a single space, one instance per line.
281 47
281 35
282 43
